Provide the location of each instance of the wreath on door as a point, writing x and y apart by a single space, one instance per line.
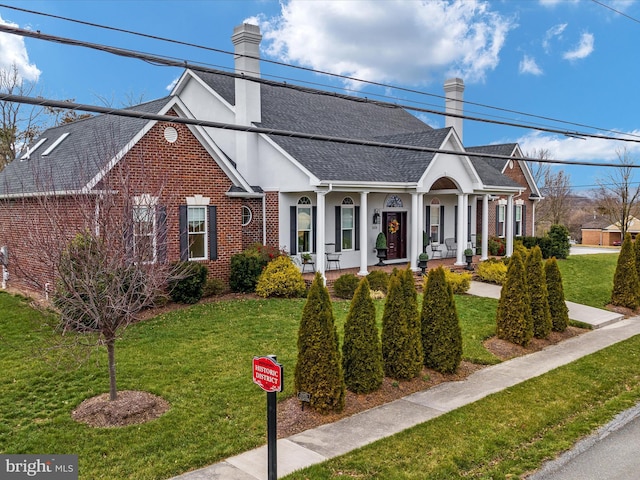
394 226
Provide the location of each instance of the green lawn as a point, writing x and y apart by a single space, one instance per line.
588 279
506 434
199 360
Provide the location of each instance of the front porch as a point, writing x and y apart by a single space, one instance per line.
332 275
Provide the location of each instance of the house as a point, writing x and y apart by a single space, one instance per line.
599 231
226 189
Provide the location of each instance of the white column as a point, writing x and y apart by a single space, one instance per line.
320 234
414 232
485 227
420 214
462 237
509 227
364 222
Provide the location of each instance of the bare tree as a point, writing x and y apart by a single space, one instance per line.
539 169
18 122
556 189
618 195
104 251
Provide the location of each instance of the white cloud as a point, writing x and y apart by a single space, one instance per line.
553 32
173 83
581 149
582 50
528 65
553 3
14 52
390 41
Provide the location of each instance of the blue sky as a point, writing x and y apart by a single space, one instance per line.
569 60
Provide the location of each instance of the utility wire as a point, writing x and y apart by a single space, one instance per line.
43 102
183 64
312 70
616 11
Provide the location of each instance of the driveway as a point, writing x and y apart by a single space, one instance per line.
588 249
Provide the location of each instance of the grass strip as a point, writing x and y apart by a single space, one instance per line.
506 434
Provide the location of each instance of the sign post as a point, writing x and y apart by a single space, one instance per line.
268 374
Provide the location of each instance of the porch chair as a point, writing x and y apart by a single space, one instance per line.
332 256
450 243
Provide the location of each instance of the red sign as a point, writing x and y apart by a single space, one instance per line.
267 373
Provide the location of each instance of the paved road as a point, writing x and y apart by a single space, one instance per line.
611 453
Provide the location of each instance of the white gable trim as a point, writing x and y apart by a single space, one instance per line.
189 75
313 180
473 177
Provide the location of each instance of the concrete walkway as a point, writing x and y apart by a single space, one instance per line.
330 440
596 317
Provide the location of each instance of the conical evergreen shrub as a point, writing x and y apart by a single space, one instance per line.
319 370
557 307
538 295
636 248
625 280
441 334
513 319
414 342
399 322
361 349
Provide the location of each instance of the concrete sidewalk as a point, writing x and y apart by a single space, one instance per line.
330 440
596 317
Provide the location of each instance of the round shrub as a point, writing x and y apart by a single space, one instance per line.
460 282
378 281
559 239
213 286
246 268
345 286
281 278
492 271
189 283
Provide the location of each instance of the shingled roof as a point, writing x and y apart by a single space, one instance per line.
84 148
312 111
490 169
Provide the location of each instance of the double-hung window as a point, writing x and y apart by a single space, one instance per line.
197 232
198 229
518 221
434 221
501 220
347 224
145 234
305 225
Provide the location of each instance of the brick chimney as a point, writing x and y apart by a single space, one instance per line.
453 91
246 39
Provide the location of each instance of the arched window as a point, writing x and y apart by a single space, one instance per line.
305 225
247 215
394 201
347 223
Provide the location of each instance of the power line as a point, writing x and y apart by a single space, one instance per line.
167 61
616 11
43 102
342 77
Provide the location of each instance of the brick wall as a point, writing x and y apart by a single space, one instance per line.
517 174
170 171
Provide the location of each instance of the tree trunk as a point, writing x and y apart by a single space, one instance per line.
113 392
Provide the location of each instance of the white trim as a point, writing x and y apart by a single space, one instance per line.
197 201
32 149
205 233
